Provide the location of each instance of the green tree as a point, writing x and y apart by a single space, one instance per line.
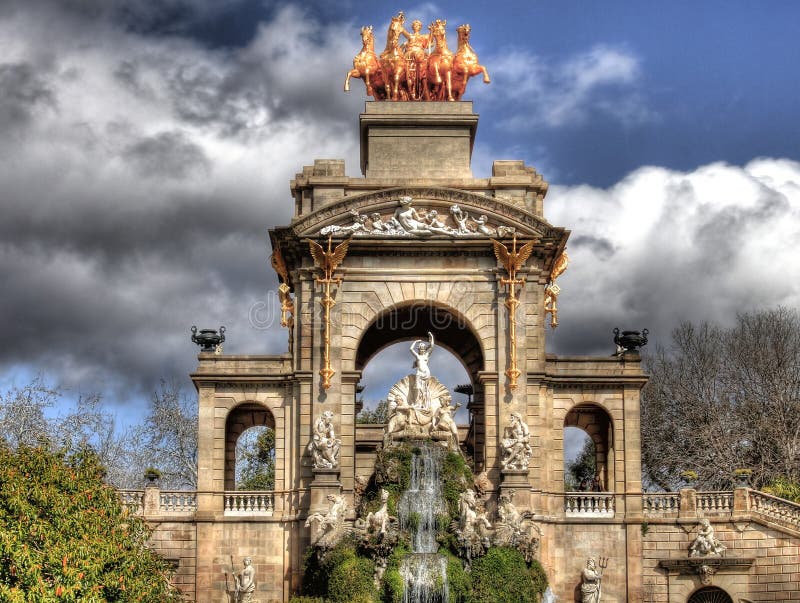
582 468
377 415
65 536
255 459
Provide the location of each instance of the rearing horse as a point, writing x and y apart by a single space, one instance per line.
393 63
440 64
366 66
465 64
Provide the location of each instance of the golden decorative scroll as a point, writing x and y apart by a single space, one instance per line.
284 292
512 261
552 290
421 69
328 261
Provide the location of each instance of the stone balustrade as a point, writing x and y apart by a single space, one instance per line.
180 502
714 502
249 503
133 499
589 504
774 508
663 504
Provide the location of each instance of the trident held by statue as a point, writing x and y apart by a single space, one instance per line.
602 563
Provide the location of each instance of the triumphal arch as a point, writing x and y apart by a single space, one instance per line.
417 249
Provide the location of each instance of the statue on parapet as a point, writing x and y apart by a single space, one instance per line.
421 69
324 445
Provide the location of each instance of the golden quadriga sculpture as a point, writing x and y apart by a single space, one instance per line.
423 68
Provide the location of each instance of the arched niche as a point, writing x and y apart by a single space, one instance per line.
597 424
451 331
242 417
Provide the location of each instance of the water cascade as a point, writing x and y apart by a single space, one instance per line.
424 571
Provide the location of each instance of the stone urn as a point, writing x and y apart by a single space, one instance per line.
630 341
208 339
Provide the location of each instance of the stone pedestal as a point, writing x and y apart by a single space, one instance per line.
515 483
326 482
417 140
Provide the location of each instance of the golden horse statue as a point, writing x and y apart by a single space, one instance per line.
440 64
367 67
465 63
393 63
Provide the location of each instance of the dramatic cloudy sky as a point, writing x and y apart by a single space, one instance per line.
146 147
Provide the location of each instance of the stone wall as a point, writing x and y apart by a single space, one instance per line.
176 541
774 575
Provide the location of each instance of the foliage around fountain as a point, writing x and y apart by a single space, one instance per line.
346 572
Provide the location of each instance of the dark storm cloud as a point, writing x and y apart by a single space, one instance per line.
22 93
137 202
167 155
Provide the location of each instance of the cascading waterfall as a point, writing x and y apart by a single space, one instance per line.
424 570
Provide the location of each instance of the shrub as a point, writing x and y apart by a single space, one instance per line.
502 576
65 535
342 576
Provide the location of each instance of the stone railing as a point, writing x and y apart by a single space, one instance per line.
661 504
133 499
774 508
249 503
181 502
589 504
714 502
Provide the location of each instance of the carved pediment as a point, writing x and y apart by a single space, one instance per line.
423 212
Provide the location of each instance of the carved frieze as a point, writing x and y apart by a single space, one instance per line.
374 214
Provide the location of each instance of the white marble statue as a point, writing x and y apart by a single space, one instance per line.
244 583
515 529
590 582
378 522
705 544
328 527
419 405
324 445
422 351
515 444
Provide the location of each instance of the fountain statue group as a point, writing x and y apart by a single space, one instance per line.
419 405
422 68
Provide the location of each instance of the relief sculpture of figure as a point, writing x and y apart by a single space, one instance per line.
324 445
410 220
706 543
590 582
515 444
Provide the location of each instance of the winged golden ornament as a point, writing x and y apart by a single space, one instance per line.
284 291
552 290
328 261
512 260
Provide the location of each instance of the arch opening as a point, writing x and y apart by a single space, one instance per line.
589 464
241 419
710 594
453 333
